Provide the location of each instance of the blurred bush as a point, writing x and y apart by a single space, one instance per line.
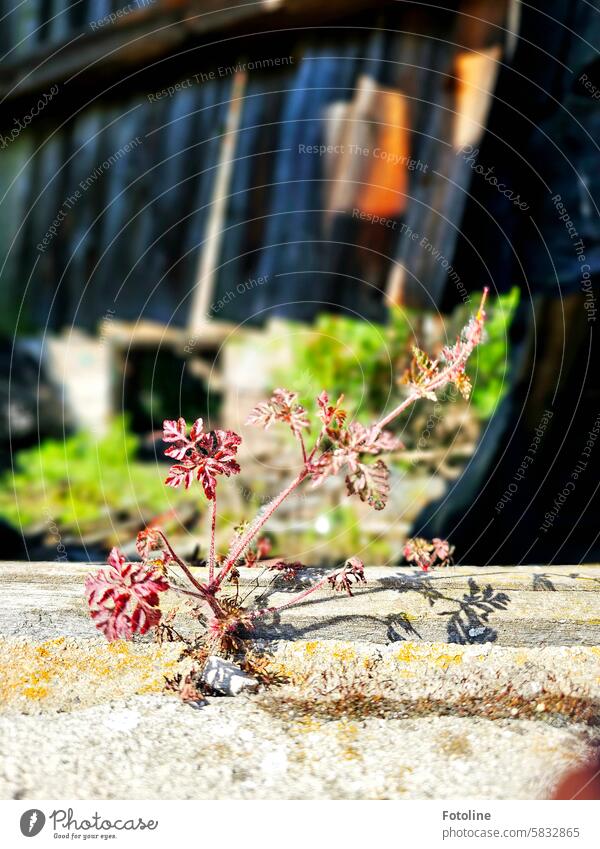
83 482
363 360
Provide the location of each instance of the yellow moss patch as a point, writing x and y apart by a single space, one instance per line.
307 725
407 653
35 693
446 660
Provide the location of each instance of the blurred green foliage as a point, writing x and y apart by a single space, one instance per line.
82 481
345 536
489 368
87 482
363 360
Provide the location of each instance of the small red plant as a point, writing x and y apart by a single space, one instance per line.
426 555
124 599
257 551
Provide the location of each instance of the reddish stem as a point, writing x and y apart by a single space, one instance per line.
246 538
296 599
203 590
396 411
213 529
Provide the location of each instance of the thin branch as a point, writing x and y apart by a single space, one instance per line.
244 541
187 592
316 445
303 447
213 530
397 410
265 610
183 566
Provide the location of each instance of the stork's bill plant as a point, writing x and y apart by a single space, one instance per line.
124 597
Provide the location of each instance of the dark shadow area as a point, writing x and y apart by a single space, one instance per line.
468 618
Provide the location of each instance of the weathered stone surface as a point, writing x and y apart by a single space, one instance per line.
149 747
66 674
69 674
558 605
81 718
447 672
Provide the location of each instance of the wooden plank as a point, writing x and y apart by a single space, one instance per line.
154 334
199 315
137 39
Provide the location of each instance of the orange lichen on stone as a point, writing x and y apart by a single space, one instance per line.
59 674
344 654
435 655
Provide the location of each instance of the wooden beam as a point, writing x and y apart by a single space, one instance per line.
145 35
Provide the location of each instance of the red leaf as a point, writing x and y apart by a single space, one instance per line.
331 415
370 483
174 430
123 599
281 407
180 474
203 456
353 572
196 430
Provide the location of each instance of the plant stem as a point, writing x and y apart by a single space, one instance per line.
187 592
303 446
183 566
246 538
265 610
396 411
213 528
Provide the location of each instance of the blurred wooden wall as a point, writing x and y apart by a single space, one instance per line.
394 77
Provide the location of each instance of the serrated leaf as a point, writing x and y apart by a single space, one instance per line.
174 430
281 407
464 386
370 483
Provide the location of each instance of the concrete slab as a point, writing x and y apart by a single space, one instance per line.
558 605
498 714
152 747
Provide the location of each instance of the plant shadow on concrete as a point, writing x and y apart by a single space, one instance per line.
469 617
